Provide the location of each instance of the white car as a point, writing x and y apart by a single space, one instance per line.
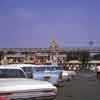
13 87
72 73
66 76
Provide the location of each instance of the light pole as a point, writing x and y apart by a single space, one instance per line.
91 43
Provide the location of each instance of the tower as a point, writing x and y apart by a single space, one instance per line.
54 44
54 54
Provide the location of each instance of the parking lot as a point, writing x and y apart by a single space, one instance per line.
84 86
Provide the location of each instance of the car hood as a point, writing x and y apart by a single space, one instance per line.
7 85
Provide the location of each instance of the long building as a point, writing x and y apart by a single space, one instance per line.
52 55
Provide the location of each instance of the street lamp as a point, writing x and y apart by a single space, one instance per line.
91 43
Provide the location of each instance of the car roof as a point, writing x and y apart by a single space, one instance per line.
20 65
32 65
38 65
9 67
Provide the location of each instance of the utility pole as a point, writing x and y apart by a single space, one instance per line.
91 43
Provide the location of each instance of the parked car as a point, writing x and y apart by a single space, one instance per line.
49 73
43 72
14 85
66 76
71 73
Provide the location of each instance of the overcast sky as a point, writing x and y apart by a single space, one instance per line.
34 23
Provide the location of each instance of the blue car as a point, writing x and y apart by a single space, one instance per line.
48 73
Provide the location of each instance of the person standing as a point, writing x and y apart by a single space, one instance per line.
98 71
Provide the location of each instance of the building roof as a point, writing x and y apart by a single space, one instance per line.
94 62
74 62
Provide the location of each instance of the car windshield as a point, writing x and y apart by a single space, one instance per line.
11 73
52 68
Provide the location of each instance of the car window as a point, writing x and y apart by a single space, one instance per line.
50 68
11 73
27 69
38 69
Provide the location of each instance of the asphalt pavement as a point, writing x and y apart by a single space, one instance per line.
84 86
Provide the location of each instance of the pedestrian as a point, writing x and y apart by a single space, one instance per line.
98 71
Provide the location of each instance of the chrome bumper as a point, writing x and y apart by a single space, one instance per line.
32 96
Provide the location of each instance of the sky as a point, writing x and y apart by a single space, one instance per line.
35 23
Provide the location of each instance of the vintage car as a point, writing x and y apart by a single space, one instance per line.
71 73
66 76
14 85
48 73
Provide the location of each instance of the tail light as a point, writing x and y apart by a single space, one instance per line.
3 98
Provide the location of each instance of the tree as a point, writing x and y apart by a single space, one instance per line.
84 57
96 57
